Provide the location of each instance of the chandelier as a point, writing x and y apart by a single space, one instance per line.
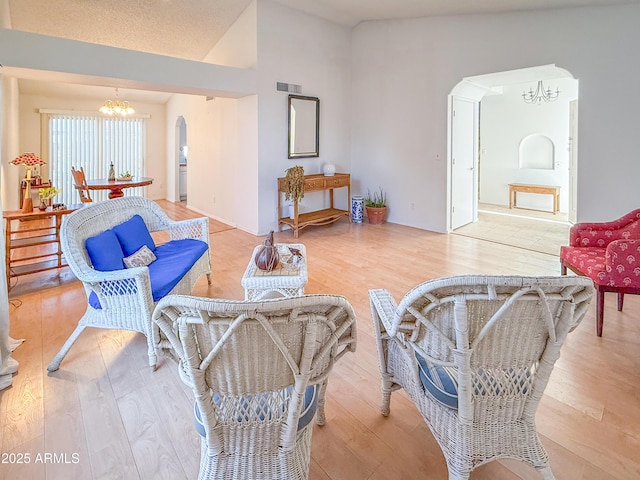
117 107
540 94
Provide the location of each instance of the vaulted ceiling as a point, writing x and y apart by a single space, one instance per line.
190 28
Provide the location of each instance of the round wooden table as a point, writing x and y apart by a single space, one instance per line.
115 187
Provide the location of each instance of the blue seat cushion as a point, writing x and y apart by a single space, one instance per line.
133 234
309 408
439 381
173 260
105 251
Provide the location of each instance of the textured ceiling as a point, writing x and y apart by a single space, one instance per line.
177 28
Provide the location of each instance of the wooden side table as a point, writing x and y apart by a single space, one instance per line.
26 235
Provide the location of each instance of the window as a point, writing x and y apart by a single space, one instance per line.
93 142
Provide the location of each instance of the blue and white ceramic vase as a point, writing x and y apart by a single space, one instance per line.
357 208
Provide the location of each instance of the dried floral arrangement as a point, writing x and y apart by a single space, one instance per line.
294 183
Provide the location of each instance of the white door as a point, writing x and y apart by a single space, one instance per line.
463 162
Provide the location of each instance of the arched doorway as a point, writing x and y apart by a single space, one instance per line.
488 120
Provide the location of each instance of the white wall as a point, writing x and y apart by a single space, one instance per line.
304 50
238 148
222 138
403 71
8 149
505 121
10 146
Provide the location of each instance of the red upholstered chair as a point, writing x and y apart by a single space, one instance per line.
609 254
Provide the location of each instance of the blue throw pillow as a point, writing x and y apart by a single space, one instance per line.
440 382
105 251
133 234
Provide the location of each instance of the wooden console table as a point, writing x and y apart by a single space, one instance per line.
33 234
542 189
314 183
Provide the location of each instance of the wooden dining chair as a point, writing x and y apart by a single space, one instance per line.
81 185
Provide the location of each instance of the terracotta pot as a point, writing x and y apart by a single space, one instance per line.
376 215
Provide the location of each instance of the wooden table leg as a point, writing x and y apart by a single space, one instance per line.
116 192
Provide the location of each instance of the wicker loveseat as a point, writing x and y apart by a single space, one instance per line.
99 239
609 254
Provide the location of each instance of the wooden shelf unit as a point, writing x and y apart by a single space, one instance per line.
36 184
45 232
314 183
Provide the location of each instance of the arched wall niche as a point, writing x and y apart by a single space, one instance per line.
537 152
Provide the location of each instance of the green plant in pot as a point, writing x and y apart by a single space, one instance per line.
294 185
46 194
376 205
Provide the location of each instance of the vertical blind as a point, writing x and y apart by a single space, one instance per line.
94 142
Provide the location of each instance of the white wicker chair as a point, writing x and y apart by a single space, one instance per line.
498 337
252 366
125 295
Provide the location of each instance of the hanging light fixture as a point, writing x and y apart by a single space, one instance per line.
540 94
117 107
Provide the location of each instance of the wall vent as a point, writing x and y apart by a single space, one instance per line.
288 87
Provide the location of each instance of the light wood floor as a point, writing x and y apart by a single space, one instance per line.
108 416
533 230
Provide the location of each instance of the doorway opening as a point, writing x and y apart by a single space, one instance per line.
496 138
181 156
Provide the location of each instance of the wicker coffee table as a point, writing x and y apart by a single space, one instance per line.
286 280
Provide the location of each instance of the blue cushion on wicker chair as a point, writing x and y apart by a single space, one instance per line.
308 410
439 381
173 260
104 251
133 234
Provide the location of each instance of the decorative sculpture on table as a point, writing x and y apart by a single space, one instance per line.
267 257
29 160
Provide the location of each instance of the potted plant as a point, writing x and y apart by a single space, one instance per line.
294 185
46 194
376 206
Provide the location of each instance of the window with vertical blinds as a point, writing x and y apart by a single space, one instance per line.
94 142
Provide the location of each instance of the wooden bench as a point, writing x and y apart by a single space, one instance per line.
542 189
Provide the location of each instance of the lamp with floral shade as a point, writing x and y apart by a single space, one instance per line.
29 160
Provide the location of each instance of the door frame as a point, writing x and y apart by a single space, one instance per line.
450 170
475 88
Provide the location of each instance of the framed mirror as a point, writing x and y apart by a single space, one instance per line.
304 126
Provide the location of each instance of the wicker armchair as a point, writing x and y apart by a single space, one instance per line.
258 371
124 297
474 353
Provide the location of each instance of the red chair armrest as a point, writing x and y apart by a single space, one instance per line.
622 262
